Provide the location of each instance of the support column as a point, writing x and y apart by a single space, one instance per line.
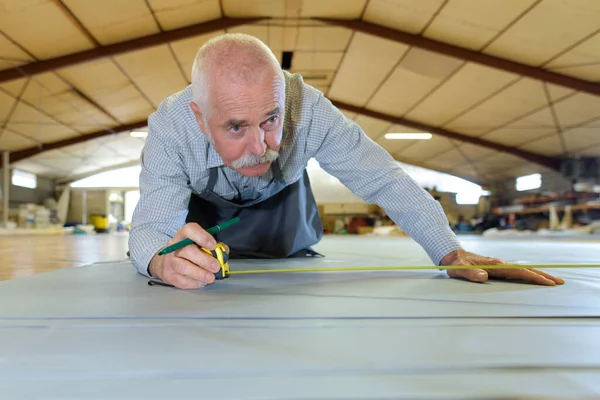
5 187
84 207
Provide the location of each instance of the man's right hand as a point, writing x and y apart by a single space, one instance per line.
188 267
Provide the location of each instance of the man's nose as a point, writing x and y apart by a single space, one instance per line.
257 141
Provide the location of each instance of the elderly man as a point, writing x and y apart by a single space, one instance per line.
237 143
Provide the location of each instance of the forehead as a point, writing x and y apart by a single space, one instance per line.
230 99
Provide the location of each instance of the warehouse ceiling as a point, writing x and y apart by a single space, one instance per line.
506 87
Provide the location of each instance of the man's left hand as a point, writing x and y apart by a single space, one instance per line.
461 257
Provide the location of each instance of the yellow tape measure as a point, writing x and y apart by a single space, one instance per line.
220 253
405 267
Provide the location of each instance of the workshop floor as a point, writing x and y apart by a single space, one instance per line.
29 255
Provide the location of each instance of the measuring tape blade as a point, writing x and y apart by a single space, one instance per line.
408 267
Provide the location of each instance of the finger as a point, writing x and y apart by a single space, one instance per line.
198 235
523 274
184 282
196 256
471 274
181 266
557 280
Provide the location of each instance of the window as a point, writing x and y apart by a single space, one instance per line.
529 182
24 179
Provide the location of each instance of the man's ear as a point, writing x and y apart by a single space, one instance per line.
199 117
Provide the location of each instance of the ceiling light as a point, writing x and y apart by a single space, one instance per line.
139 134
408 136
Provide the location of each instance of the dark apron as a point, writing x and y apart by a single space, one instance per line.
283 222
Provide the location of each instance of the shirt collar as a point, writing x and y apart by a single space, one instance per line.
213 159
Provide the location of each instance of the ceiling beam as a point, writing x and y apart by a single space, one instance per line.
39 67
42 147
465 54
549 162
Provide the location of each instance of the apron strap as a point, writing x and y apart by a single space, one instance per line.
212 178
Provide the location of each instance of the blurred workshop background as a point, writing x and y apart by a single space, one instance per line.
492 106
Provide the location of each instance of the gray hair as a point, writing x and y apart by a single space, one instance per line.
243 57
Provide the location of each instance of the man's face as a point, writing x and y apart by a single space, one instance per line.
245 123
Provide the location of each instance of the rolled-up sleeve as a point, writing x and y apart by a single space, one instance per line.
369 171
164 195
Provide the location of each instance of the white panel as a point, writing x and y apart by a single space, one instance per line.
471 24
35 168
558 92
106 161
358 62
64 164
466 170
104 82
29 121
526 129
587 52
12 141
579 138
551 27
53 155
124 145
13 87
474 82
346 9
418 73
90 149
11 55
404 15
42 28
577 109
177 13
154 71
323 39
282 38
254 8
424 150
6 104
593 150
549 146
498 161
111 21
517 100
473 151
586 72
371 126
315 61
447 160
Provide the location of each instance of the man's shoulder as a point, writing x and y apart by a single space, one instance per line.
174 111
300 99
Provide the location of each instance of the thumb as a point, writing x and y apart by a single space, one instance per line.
472 274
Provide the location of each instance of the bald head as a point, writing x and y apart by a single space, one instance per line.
239 101
232 58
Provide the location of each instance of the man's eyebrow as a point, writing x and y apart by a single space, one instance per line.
234 122
275 111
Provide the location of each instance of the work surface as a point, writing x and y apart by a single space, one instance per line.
100 331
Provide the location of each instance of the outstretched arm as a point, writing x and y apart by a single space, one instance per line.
346 152
371 173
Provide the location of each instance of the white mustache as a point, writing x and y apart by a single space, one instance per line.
250 160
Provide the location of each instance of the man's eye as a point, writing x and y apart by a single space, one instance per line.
272 120
236 128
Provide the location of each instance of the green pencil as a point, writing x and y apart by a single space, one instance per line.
185 242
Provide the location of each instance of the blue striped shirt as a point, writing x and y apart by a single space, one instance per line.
177 157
